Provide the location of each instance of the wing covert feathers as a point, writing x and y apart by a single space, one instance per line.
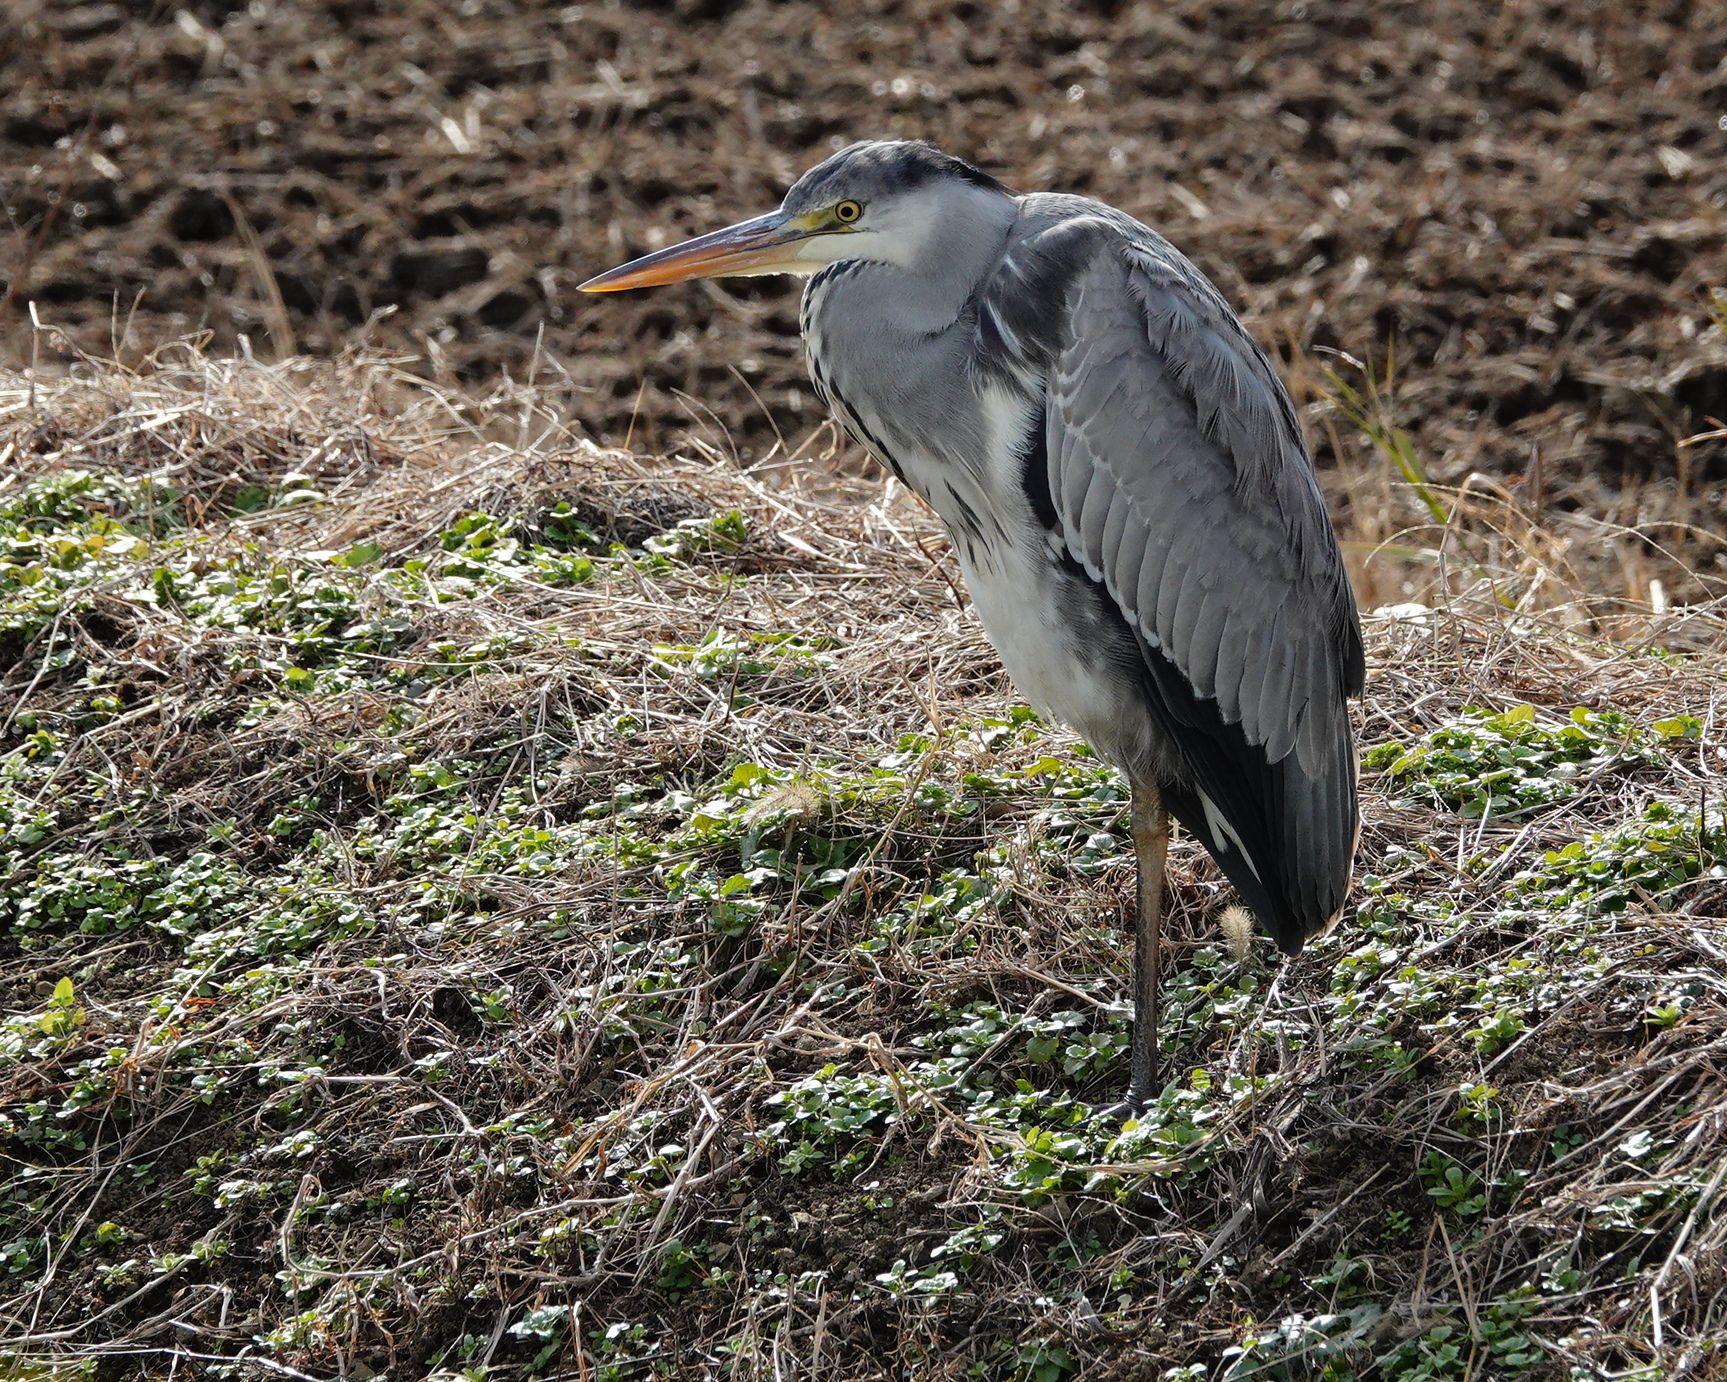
1181 483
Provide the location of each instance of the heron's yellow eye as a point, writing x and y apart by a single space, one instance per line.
847 212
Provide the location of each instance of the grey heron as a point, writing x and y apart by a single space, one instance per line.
1129 496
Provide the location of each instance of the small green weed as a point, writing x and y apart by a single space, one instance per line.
1669 847
1513 762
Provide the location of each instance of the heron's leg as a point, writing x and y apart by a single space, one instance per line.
1149 823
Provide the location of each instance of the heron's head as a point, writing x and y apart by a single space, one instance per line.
896 202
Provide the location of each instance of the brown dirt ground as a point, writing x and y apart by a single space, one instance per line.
1527 201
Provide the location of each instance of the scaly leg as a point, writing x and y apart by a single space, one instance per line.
1150 827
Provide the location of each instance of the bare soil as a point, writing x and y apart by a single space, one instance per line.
1525 203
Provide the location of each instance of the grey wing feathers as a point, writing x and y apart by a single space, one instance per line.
1181 483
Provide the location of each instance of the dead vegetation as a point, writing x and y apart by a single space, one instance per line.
485 906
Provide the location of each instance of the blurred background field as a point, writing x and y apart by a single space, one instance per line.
1525 202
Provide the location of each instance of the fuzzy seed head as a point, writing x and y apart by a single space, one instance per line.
1236 923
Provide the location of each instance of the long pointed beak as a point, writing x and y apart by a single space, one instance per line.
750 247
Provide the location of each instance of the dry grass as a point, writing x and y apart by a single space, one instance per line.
484 962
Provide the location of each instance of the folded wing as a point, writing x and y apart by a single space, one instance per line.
1180 482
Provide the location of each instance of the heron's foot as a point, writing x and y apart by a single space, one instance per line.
1130 1105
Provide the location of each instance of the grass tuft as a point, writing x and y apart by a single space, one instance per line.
480 909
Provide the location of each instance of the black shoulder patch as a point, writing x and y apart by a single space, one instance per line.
1034 471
